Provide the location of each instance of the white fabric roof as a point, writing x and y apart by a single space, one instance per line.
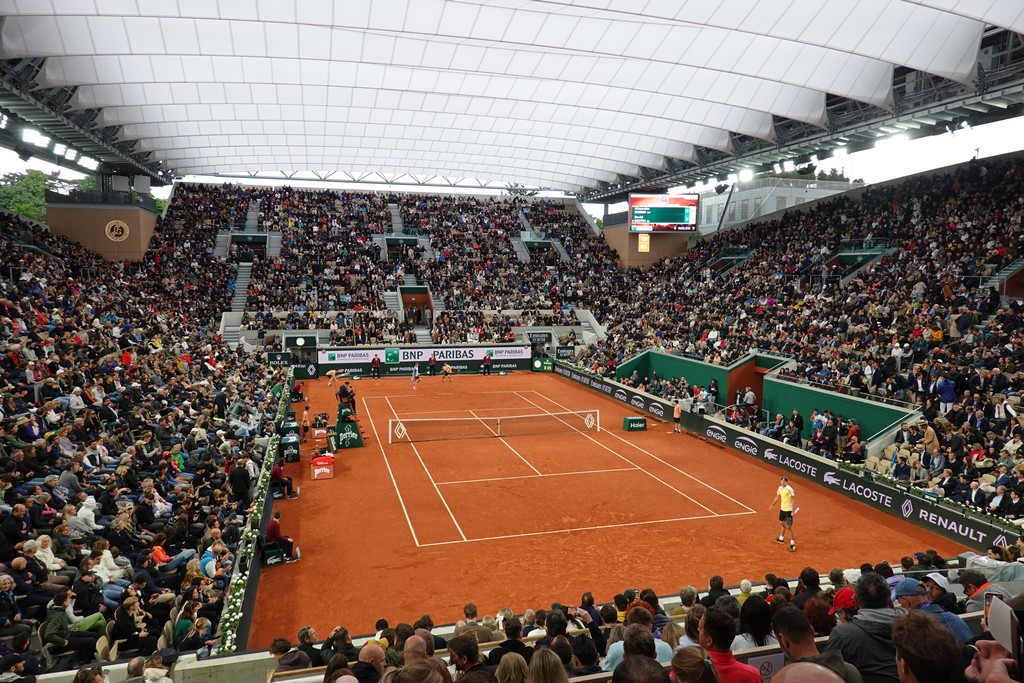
555 93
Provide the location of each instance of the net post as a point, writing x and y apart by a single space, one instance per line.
389 431
597 417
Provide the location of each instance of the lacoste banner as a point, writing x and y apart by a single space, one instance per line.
951 521
649 404
399 360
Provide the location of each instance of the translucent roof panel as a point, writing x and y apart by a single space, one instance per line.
561 94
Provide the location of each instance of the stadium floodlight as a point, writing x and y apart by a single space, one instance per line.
89 163
896 139
840 152
788 166
59 149
4 120
777 167
731 178
720 189
70 154
746 175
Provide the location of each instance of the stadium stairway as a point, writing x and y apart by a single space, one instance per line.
274 244
393 301
252 218
525 222
396 219
520 248
422 333
410 280
223 243
1003 275
241 287
428 251
560 248
382 246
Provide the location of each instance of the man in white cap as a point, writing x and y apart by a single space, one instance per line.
938 589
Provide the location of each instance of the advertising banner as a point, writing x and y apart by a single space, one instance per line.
398 360
277 359
951 521
538 337
565 352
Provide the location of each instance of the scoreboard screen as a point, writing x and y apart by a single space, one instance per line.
662 212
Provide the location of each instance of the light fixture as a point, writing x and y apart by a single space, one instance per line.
721 188
788 166
746 175
70 154
89 163
840 152
777 167
731 178
59 149
4 120
807 170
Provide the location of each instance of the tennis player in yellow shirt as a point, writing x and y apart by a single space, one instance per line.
784 497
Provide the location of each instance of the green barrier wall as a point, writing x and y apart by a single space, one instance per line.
668 366
782 397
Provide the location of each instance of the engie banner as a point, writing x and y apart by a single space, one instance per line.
953 522
398 360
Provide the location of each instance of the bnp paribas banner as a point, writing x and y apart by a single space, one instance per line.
399 360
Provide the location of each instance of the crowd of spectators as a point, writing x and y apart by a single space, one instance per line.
328 261
347 328
128 437
877 619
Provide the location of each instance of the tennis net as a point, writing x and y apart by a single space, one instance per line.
491 426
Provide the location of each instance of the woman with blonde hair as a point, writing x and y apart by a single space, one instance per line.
512 669
546 667
693 665
672 634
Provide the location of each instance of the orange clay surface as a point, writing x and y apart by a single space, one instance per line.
523 521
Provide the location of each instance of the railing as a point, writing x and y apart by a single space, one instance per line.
864 244
846 389
117 198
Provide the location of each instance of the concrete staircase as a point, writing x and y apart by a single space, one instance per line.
524 222
241 287
519 247
382 244
410 280
220 250
230 323
428 251
422 335
252 221
560 248
396 219
1004 273
274 244
393 302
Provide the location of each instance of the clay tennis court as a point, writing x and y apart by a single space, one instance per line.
516 500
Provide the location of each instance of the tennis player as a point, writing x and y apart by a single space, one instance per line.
677 415
305 425
446 372
415 379
784 497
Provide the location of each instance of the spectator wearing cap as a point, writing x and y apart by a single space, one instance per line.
12 669
911 594
975 585
865 641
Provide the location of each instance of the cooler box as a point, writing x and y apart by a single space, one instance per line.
634 424
290 448
290 428
321 467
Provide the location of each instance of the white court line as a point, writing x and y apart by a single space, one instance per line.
420 393
622 457
646 452
431 477
460 410
505 442
587 528
535 476
401 502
